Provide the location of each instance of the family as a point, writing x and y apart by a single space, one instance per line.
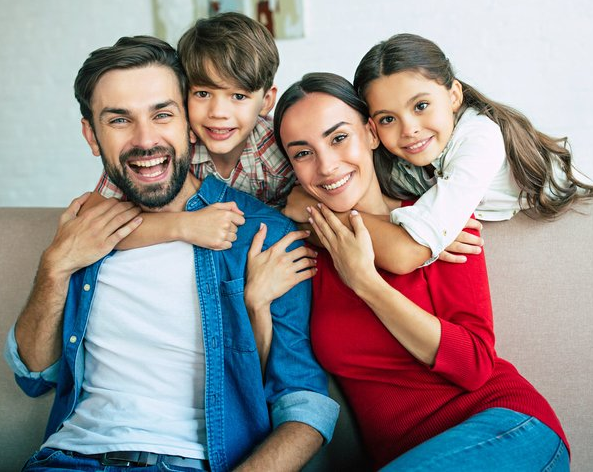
187 324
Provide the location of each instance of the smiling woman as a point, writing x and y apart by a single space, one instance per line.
414 354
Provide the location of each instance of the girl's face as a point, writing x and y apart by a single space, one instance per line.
414 115
331 151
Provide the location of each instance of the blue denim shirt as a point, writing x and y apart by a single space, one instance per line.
241 408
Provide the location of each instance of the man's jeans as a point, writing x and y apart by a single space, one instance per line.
52 460
496 439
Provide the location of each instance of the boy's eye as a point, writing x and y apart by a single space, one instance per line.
385 120
421 106
239 96
201 93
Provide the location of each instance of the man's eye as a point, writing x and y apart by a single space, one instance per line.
162 116
118 121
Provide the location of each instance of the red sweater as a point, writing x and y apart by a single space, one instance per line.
398 401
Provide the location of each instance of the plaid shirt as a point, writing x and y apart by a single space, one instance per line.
262 170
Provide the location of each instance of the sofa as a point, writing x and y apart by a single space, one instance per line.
541 276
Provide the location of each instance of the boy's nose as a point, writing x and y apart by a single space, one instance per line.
218 108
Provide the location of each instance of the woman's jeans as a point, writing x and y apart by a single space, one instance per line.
496 439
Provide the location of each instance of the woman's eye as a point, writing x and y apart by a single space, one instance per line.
385 120
421 106
301 154
339 138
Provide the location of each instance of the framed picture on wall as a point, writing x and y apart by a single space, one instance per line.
283 18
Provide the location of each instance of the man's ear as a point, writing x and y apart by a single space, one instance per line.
269 101
456 95
89 135
373 132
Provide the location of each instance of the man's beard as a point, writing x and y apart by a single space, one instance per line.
151 195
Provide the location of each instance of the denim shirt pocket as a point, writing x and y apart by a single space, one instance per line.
237 332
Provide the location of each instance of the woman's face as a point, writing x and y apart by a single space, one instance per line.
331 150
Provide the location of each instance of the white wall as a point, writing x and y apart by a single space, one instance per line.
532 54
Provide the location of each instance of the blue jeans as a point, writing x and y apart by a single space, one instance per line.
53 460
496 439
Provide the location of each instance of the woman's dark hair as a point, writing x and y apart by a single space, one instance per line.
318 82
532 155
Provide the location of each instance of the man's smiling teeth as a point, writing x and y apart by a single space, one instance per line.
337 184
150 163
418 144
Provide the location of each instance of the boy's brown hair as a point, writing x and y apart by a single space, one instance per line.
239 49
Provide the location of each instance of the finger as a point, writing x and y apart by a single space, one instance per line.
123 232
302 251
468 238
235 208
322 239
472 223
304 263
321 225
237 219
453 258
461 248
74 207
357 223
290 238
229 206
258 241
332 220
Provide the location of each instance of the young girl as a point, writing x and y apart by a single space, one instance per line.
454 148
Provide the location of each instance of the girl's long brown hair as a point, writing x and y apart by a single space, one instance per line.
532 155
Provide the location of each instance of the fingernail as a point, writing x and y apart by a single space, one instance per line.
354 212
319 205
309 209
311 220
261 225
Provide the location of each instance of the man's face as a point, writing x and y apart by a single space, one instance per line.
141 133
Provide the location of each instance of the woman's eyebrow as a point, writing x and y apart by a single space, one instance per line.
329 131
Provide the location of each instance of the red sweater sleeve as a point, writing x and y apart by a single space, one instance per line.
461 298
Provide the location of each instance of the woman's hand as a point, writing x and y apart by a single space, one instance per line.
297 203
351 250
270 274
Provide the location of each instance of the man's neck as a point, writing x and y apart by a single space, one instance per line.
190 186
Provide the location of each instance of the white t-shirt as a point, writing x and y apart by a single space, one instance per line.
472 175
143 387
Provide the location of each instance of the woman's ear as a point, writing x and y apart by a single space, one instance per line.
373 134
456 95
89 134
269 101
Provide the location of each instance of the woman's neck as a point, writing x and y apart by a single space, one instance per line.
373 201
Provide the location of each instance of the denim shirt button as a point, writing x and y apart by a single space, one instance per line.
86 287
73 339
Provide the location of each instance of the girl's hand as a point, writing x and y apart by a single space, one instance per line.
465 243
351 250
297 203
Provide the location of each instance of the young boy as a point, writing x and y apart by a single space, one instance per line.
230 61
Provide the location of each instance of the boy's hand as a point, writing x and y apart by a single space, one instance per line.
465 243
273 272
213 227
297 203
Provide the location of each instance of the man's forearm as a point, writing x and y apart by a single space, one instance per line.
39 326
288 448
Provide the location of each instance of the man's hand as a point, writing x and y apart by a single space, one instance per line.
214 227
465 243
83 239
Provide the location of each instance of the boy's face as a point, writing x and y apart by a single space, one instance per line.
223 117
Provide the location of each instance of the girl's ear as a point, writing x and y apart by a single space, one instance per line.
373 134
456 94
269 101
89 135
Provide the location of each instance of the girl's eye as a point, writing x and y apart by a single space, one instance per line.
385 120
301 154
421 106
239 96
339 138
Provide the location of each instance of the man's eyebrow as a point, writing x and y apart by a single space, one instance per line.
411 100
125 111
